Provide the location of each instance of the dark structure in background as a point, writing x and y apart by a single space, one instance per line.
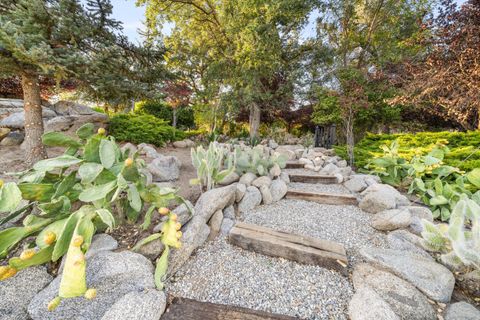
325 136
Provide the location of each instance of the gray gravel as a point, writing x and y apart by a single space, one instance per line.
348 225
318 187
302 171
222 273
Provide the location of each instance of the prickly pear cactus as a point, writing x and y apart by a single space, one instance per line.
257 161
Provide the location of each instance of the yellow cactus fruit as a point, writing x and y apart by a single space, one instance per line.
52 305
179 234
101 131
1 183
27 254
49 238
163 211
174 217
169 234
77 241
178 226
90 294
128 162
7 272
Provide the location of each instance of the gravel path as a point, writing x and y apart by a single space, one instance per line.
348 225
318 187
222 273
302 171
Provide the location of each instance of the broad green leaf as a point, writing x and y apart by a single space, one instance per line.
62 161
106 217
438 200
63 240
85 131
474 177
32 177
57 139
107 153
91 150
134 198
10 197
44 255
56 206
41 192
161 269
89 171
97 192
10 237
66 184
86 229
429 160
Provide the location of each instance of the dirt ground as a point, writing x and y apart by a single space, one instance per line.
11 160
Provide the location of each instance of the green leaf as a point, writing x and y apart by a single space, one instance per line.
41 192
474 177
89 171
134 198
86 229
85 131
10 237
146 240
33 177
161 269
97 192
66 184
44 255
10 197
106 217
148 218
63 240
55 227
438 200
62 161
56 206
57 139
91 150
107 153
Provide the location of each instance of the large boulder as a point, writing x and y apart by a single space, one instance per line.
247 178
101 242
431 278
402 297
240 191
17 120
278 189
380 197
356 184
262 181
112 274
329 169
145 305
462 311
266 194
165 168
250 200
57 124
229 179
17 292
366 304
215 223
68 108
391 219
404 240
214 200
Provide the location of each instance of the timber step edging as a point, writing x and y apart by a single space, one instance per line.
323 198
299 248
312 178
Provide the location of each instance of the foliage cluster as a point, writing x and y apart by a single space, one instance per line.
92 186
143 128
161 110
462 146
256 160
438 185
212 165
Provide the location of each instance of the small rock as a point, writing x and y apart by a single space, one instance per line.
272 144
12 139
275 171
165 168
342 164
251 199
355 184
329 169
262 181
58 124
229 179
152 250
180 144
146 305
240 191
462 311
391 219
215 224
431 278
247 178
418 213
305 161
278 189
229 212
227 225
17 292
147 150
4 132
214 200
285 177
367 305
470 282
266 195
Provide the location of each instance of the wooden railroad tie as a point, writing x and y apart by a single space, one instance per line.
302 249
294 165
324 198
313 178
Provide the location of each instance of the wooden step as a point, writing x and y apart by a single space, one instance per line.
324 198
294 165
312 178
188 309
302 249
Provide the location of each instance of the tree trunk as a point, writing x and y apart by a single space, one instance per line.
349 136
174 120
254 121
34 149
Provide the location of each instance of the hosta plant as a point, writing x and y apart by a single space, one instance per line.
212 164
91 187
256 161
459 241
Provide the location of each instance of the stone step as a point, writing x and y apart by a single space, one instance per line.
323 198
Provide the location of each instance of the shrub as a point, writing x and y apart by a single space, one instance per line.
159 109
461 145
143 129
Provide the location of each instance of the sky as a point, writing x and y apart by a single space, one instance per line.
132 17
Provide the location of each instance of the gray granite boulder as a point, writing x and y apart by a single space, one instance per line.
462 311
403 298
14 138
431 278
214 200
231 178
262 181
251 199
215 223
101 242
391 219
227 225
165 168
418 214
406 241
366 304
57 124
266 195
240 191
247 178
278 189
144 305
17 292
356 184
113 274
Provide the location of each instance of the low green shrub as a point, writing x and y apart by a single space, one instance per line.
460 144
159 109
143 129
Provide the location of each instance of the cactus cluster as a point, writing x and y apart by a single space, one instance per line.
94 175
257 160
212 165
459 245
